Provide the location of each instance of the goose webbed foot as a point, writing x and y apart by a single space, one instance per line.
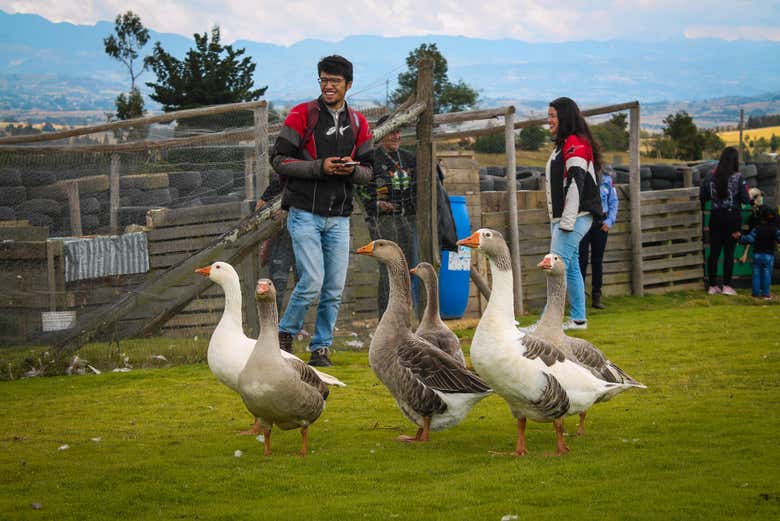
581 428
266 442
304 441
423 433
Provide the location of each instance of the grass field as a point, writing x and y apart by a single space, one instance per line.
699 443
731 138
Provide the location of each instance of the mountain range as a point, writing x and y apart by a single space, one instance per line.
48 67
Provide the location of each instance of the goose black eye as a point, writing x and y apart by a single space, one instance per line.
218 266
488 234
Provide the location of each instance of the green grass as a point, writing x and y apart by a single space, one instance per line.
699 443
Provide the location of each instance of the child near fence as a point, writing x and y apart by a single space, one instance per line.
764 237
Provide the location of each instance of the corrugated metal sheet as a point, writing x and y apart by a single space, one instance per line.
95 257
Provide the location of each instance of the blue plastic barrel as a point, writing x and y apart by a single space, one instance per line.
455 266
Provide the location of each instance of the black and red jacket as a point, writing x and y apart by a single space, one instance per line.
572 185
299 151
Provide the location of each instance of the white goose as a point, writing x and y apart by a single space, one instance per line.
229 348
431 388
277 390
431 327
535 378
550 328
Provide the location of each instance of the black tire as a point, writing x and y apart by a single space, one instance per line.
161 197
44 206
185 182
623 178
132 215
89 205
645 186
767 170
90 223
525 173
532 183
486 183
66 175
12 195
496 171
7 213
749 171
667 172
38 178
662 184
645 173
220 180
218 199
10 177
499 184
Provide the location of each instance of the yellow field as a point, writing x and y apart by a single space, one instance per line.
731 138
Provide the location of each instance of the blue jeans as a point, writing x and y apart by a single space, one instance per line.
567 246
321 247
763 264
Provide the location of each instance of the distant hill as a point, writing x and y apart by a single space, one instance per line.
54 67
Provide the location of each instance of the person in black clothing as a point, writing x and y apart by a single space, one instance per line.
764 238
727 191
278 249
389 201
323 150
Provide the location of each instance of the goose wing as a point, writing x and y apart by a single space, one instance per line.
547 352
309 376
591 357
438 370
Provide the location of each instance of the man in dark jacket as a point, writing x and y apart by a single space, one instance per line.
323 150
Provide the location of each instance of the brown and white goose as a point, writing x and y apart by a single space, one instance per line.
431 388
229 347
533 375
550 328
431 327
277 390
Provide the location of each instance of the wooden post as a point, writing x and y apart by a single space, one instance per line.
687 177
262 167
249 175
511 194
426 188
114 194
741 126
52 280
74 204
637 284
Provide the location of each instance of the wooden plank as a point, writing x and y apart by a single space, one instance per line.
696 259
676 207
23 250
162 217
208 320
687 286
426 185
74 207
672 276
692 234
190 230
182 245
260 162
674 193
670 249
24 233
635 201
469 115
691 220
114 188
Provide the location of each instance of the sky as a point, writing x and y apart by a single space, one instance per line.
284 22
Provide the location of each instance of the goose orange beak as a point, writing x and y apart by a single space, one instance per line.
546 264
413 271
263 287
472 241
368 249
205 271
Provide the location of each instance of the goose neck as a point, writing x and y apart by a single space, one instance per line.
399 301
233 311
502 299
552 317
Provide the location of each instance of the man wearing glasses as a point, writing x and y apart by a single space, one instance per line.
323 150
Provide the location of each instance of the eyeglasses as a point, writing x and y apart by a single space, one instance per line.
332 81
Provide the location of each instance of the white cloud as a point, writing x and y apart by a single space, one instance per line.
288 21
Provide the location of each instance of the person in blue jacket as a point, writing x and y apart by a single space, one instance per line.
765 237
595 241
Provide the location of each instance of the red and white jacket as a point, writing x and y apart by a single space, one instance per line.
572 185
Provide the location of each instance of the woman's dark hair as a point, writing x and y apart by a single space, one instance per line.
727 165
337 65
571 121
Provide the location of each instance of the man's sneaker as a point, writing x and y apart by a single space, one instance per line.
319 358
285 341
713 290
575 324
728 290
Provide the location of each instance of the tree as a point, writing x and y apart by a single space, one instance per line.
612 134
130 106
531 138
491 144
774 143
683 132
210 74
712 144
130 38
447 96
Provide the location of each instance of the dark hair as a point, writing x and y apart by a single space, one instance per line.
337 65
727 165
571 121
